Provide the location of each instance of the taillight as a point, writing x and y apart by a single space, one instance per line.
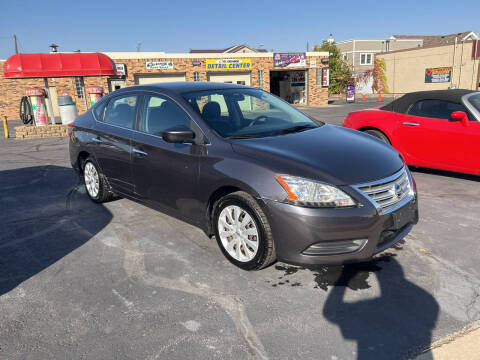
70 128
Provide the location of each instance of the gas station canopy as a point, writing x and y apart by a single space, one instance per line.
58 65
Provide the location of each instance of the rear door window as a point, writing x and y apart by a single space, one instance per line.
99 110
121 111
437 109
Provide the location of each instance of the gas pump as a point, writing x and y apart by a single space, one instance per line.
37 101
95 93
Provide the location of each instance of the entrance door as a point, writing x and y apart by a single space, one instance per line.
231 78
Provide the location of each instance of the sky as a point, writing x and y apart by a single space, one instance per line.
178 25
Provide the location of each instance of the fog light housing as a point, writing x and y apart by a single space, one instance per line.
335 247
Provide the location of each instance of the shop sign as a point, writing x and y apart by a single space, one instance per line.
438 75
289 60
313 63
120 69
325 77
159 65
350 93
196 63
228 64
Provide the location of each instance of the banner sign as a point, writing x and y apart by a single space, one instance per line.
438 75
289 60
313 63
228 64
120 69
325 77
350 93
159 65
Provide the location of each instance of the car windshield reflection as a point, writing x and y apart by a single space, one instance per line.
247 113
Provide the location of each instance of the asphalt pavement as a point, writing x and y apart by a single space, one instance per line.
123 281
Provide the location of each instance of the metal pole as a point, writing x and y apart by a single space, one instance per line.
84 95
15 43
473 69
460 71
49 102
453 62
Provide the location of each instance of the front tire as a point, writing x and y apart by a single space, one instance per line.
379 135
243 232
95 182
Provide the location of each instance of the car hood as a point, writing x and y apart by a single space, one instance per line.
329 153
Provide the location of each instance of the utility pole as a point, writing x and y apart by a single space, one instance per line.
308 47
15 43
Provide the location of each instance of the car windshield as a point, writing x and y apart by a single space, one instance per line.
475 101
247 113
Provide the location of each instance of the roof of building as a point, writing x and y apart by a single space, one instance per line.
230 49
402 104
431 40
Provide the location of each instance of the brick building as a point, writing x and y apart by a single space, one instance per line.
300 78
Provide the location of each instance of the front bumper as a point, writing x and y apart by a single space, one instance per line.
301 232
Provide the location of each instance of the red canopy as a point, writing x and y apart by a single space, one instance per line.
58 65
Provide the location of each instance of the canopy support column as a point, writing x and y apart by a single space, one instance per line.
49 101
84 95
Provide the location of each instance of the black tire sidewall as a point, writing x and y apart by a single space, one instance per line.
262 244
377 134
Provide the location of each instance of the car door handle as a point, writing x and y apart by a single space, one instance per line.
411 124
139 152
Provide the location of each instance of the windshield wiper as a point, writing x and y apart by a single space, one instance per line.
294 129
243 136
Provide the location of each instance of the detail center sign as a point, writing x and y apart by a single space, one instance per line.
242 64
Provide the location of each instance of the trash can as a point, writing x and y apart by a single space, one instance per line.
68 109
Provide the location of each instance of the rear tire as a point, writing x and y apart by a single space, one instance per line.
95 182
379 135
243 232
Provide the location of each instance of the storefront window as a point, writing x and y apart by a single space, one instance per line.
260 79
318 77
79 87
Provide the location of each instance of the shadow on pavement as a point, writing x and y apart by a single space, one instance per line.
389 326
45 215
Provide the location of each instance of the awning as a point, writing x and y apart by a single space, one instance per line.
58 65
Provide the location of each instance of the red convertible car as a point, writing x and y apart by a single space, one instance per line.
433 129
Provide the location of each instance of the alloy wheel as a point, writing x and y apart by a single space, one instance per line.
92 180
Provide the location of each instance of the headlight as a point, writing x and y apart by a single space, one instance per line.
312 193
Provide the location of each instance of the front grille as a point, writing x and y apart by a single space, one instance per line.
388 192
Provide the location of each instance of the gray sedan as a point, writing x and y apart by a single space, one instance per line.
262 177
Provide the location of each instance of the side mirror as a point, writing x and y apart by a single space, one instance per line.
462 116
178 134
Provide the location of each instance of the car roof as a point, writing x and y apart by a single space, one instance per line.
402 104
180 87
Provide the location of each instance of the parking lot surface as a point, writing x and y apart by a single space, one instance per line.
122 281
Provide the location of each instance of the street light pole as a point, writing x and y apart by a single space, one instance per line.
15 43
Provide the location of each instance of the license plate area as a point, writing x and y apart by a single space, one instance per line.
403 216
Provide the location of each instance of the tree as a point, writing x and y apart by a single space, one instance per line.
379 78
340 72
